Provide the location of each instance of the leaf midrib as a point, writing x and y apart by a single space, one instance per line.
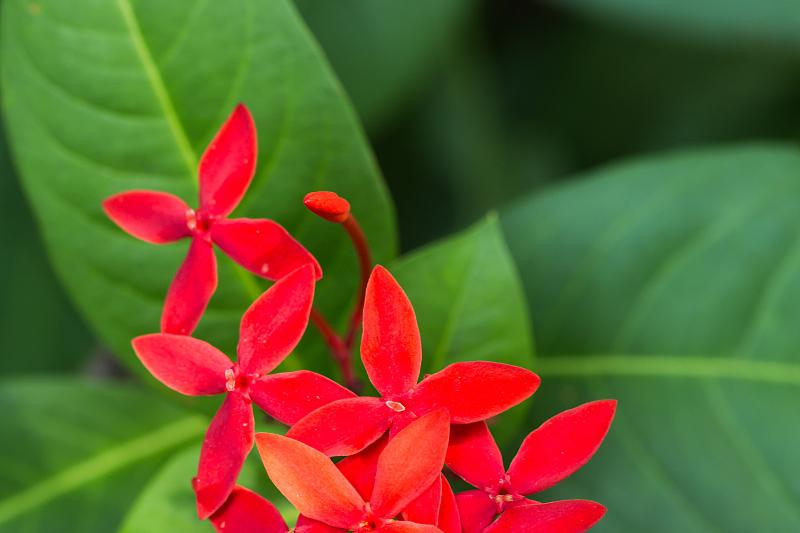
159 87
112 459
656 366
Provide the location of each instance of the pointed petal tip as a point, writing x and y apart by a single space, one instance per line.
327 205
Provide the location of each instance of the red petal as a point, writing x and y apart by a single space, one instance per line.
307 525
328 205
476 390
187 365
228 164
262 246
275 322
424 509
343 427
155 217
473 455
289 396
449 519
560 446
407 527
567 516
410 462
360 469
191 289
310 481
228 441
247 512
476 509
390 345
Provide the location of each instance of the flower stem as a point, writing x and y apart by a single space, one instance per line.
341 353
359 240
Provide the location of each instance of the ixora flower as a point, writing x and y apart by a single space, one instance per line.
269 331
550 453
392 355
327 501
261 246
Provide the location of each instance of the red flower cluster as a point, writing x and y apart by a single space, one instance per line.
395 445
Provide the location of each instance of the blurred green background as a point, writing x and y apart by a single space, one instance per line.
641 157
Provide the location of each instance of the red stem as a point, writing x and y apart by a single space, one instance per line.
356 235
341 348
340 352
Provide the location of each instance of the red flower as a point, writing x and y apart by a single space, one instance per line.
436 505
247 512
269 331
408 464
392 355
550 453
261 246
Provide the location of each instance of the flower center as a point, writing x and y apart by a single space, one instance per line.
503 493
198 223
397 407
369 521
234 381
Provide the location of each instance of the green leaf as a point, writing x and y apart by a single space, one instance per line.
469 304
167 503
672 284
39 330
396 45
110 96
76 453
716 21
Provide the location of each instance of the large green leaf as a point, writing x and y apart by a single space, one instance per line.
75 454
721 22
39 330
102 97
469 304
382 49
672 284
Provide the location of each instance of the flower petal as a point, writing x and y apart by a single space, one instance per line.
289 396
449 519
308 525
247 512
475 390
407 527
275 322
476 510
151 216
474 456
262 246
310 481
191 289
410 462
228 164
360 469
228 441
187 365
424 509
343 427
560 446
567 516
390 345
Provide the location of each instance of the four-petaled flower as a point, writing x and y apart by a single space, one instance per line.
550 453
327 501
261 246
269 331
392 354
